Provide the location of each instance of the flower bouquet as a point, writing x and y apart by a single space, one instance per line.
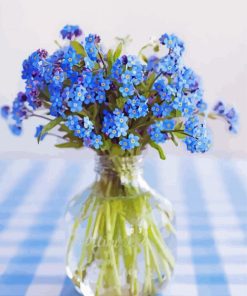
122 239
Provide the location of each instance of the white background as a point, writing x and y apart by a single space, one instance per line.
214 33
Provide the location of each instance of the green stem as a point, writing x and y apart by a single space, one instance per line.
161 247
155 261
148 277
72 238
133 279
109 236
100 280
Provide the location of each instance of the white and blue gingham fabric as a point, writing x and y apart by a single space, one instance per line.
210 197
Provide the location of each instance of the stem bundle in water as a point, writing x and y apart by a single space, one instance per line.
122 250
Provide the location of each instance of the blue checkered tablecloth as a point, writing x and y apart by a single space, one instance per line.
210 197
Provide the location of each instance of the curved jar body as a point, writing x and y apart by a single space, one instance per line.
121 236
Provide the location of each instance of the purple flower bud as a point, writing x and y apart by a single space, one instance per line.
124 59
113 86
97 39
22 97
42 53
231 114
219 108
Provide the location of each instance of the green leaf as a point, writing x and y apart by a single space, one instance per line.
179 135
64 128
118 51
109 58
78 48
140 122
70 145
156 48
158 148
106 145
150 80
49 126
116 150
211 115
179 126
120 102
173 139
144 58
45 93
67 82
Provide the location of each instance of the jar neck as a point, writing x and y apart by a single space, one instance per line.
120 167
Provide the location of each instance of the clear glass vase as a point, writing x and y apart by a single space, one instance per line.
121 235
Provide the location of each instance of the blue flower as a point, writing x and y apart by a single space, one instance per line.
159 85
157 132
90 39
96 141
132 61
104 84
133 75
200 140
117 69
124 144
82 127
89 63
127 90
167 94
87 78
88 123
5 110
219 108
92 51
187 79
157 136
133 141
129 143
232 118
166 109
168 65
137 73
58 78
70 59
90 47
201 105
33 66
127 77
173 43
113 132
72 122
75 105
152 64
100 97
190 124
115 124
89 97
38 132
79 93
136 107
19 110
169 124
157 110
230 115
69 31
15 129
120 120
178 103
58 107
187 109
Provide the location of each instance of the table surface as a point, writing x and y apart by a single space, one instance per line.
210 197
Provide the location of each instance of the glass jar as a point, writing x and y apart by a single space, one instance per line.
121 235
